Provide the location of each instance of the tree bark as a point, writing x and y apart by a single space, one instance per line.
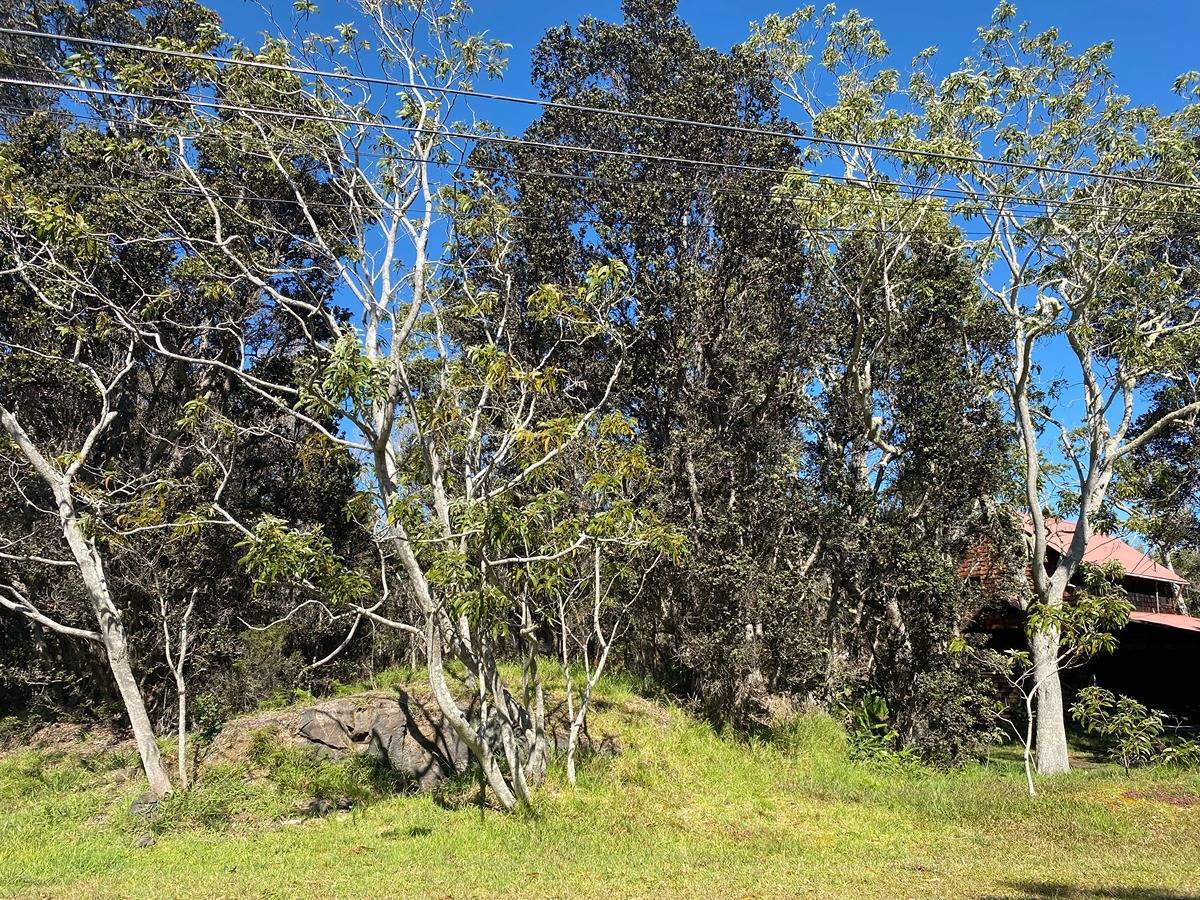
112 631
1051 725
143 732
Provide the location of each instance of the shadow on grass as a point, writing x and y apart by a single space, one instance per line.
1064 891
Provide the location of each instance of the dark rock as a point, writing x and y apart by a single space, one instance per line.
344 804
320 726
144 840
144 804
407 732
319 807
418 743
433 749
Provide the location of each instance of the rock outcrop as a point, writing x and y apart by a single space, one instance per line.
411 735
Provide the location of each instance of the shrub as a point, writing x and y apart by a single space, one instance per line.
1185 754
872 736
209 714
1132 733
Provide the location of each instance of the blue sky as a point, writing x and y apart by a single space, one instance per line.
1155 40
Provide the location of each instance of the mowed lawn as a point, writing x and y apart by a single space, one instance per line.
680 812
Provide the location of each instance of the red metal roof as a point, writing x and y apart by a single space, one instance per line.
1169 620
1104 548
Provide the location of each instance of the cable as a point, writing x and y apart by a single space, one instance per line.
198 103
914 189
1016 199
646 117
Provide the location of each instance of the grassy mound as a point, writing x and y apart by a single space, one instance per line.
681 811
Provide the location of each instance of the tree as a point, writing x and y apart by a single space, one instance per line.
100 454
1072 218
1076 268
907 446
461 440
718 337
73 386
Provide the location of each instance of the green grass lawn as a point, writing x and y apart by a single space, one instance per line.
682 811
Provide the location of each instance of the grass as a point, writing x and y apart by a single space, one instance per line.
682 811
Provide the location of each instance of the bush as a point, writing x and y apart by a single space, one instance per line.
1132 733
209 715
1185 754
872 736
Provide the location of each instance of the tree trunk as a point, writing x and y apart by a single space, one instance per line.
1051 725
143 732
453 715
572 749
112 630
181 686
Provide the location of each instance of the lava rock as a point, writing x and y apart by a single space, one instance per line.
322 727
144 805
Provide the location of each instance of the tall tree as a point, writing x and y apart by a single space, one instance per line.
718 336
100 456
73 388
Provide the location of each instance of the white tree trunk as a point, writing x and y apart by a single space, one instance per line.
112 631
1051 724
115 644
572 748
182 751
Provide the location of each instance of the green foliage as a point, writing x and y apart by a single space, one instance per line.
209 714
872 736
1131 732
1184 754
1089 622
277 553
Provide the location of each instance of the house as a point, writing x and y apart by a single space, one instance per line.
1157 659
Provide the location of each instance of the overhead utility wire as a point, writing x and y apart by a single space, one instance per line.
200 103
576 107
727 190
914 190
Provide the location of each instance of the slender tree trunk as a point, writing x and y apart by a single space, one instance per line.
183 774
112 630
1051 724
117 649
1028 741
572 748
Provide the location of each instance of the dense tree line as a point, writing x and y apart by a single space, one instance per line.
288 395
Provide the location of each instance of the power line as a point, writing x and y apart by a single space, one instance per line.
575 107
200 103
193 191
915 190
